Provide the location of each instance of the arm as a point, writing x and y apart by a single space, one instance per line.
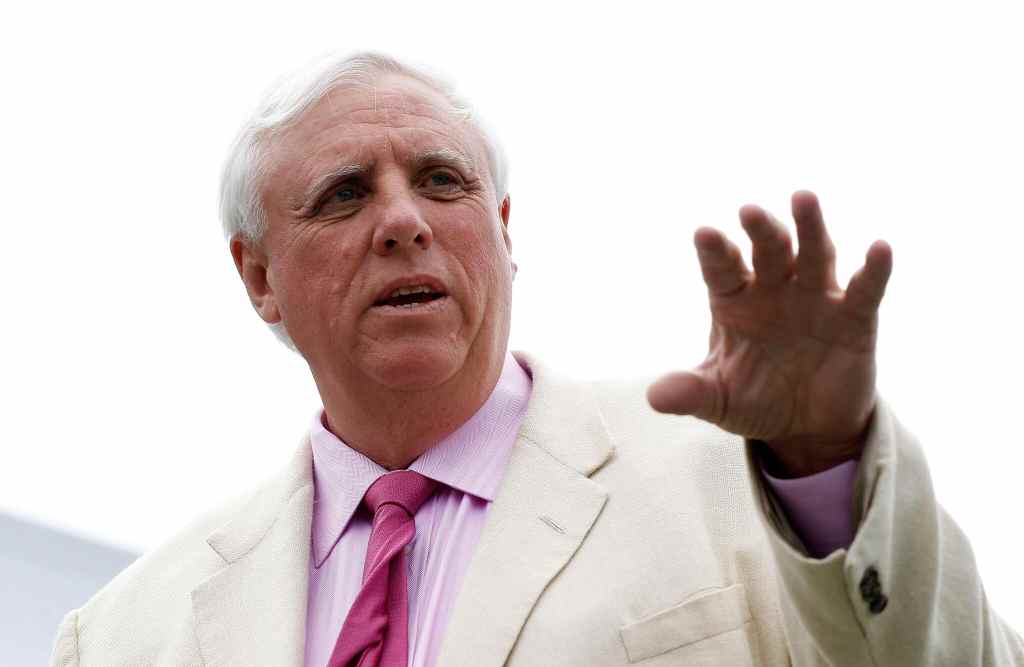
792 363
925 604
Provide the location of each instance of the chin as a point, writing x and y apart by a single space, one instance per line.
415 367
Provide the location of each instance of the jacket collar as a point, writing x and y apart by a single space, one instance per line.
544 511
253 611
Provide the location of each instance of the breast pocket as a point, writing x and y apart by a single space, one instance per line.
701 624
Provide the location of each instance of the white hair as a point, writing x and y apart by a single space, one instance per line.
241 207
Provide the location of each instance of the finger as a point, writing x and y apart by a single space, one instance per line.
867 286
772 246
721 263
816 257
687 393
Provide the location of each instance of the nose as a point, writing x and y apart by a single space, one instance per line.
401 228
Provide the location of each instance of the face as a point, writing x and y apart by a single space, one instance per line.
386 254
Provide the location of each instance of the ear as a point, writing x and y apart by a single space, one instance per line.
506 211
252 264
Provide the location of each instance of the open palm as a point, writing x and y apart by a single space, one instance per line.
792 355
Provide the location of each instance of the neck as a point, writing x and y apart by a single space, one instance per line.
394 427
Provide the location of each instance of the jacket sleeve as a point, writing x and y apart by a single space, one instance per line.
906 592
65 646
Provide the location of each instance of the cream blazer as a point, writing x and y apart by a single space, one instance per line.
619 536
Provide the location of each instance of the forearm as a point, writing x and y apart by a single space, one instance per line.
906 590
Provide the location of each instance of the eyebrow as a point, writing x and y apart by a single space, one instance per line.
445 155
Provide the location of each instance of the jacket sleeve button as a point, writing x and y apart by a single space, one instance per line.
878 604
870 587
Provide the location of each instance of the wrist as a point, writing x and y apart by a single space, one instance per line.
792 458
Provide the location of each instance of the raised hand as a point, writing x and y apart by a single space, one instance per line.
792 356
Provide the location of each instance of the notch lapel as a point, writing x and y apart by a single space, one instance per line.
541 515
253 611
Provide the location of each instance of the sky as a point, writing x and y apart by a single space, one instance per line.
140 388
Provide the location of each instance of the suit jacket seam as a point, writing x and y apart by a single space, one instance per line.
554 458
78 655
270 526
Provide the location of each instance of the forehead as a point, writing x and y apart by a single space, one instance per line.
390 119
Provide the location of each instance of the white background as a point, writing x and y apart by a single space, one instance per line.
139 388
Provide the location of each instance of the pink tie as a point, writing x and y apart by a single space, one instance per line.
376 631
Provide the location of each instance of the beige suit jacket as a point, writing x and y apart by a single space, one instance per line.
619 536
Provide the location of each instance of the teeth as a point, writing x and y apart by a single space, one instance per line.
416 289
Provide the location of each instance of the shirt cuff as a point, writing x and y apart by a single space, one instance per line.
819 507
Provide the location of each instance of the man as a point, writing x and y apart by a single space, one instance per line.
455 505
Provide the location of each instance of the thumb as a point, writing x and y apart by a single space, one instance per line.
687 393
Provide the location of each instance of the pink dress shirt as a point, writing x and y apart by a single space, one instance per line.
470 464
819 507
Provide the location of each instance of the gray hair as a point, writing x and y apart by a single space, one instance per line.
241 207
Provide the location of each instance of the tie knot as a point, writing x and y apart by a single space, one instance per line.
404 488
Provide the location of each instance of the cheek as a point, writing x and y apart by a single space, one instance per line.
484 257
320 276
481 251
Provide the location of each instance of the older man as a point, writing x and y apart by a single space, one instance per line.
453 504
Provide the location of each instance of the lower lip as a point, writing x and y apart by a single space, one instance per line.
425 308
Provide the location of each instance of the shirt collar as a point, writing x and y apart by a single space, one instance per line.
471 459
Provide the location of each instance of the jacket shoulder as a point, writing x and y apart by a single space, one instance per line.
632 423
144 614
682 465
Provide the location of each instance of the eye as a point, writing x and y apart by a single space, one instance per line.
342 198
441 182
346 193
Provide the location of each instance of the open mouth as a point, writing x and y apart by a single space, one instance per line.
410 297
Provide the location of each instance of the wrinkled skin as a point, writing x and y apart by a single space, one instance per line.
418 201
792 355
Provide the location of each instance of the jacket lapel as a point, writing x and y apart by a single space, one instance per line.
253 611
540 517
